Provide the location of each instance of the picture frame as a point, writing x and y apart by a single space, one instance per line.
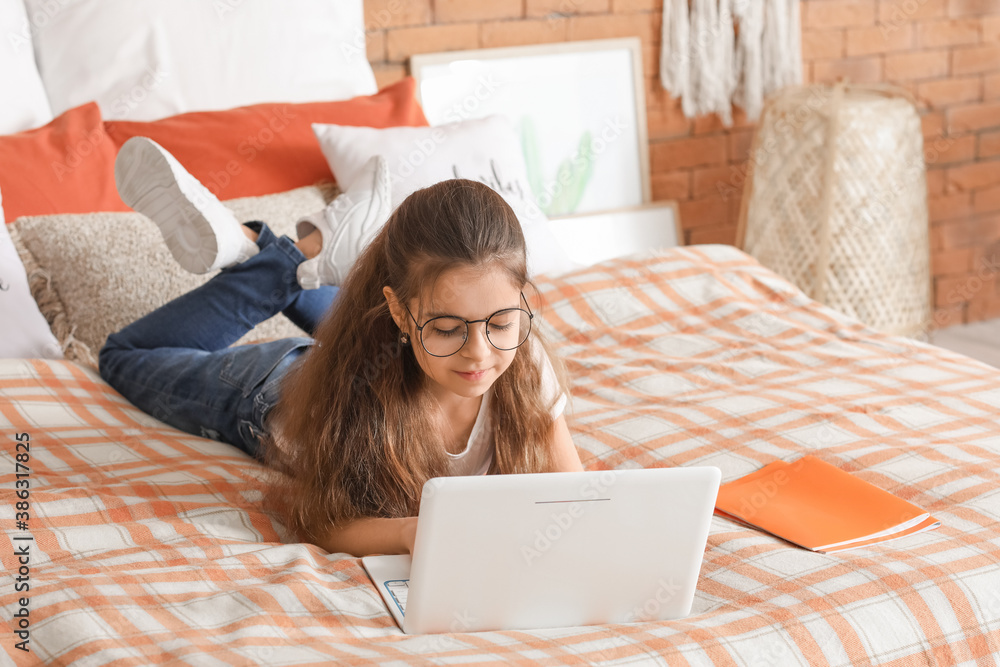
579 109
590 238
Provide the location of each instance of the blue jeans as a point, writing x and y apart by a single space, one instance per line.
176 363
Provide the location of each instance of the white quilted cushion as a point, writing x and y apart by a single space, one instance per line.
156 58
24 102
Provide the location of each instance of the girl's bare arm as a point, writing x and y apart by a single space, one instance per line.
564 455
364 537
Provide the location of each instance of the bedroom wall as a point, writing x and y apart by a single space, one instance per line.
945 52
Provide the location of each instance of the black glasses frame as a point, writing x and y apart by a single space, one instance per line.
420 328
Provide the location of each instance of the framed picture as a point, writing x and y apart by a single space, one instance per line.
579 109
589 238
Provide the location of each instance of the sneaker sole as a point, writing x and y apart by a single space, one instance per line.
158 195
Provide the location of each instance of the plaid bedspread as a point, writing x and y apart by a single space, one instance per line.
142 545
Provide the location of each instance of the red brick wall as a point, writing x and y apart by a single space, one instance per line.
945 52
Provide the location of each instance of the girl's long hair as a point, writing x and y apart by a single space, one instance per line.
353 432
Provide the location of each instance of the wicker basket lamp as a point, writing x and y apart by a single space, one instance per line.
836 202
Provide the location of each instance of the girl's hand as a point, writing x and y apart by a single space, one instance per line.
408 533
563 453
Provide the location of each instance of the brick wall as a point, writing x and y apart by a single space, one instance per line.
945 52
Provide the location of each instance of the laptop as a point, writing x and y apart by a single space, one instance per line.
528 551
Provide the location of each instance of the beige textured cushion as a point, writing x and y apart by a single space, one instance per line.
94 273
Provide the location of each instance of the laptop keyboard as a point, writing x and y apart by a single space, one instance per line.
398 590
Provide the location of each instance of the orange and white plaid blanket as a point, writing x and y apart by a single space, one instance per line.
142 545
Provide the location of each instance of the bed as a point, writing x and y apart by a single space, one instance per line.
142 545
149 545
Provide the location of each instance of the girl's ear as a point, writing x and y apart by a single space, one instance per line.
395 309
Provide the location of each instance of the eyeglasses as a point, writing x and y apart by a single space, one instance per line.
445 335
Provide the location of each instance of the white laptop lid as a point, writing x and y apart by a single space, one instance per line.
504 552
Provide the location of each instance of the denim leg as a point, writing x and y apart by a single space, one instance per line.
216 314
176 364
224 395
309 306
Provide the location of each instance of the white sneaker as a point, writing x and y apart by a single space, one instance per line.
347 226
201 233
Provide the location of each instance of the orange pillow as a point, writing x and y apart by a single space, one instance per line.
66 166
268 148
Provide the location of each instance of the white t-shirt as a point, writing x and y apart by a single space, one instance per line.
477 456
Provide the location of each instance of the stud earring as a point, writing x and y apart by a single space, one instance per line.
404 338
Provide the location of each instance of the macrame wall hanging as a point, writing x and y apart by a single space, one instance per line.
717 53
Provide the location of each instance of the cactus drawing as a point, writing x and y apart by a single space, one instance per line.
562 194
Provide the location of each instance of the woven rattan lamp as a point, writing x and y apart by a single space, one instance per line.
836 202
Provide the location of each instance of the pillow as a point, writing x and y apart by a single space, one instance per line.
267 148
24 102
485 149
66 166
24 334
105 270
157 58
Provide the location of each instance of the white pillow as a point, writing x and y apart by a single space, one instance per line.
485 149
24 102
24 333
155 58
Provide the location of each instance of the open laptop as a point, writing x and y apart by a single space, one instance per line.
508 552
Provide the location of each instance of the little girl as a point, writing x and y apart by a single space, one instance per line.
423 363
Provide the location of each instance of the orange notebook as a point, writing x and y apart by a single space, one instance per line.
819 506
